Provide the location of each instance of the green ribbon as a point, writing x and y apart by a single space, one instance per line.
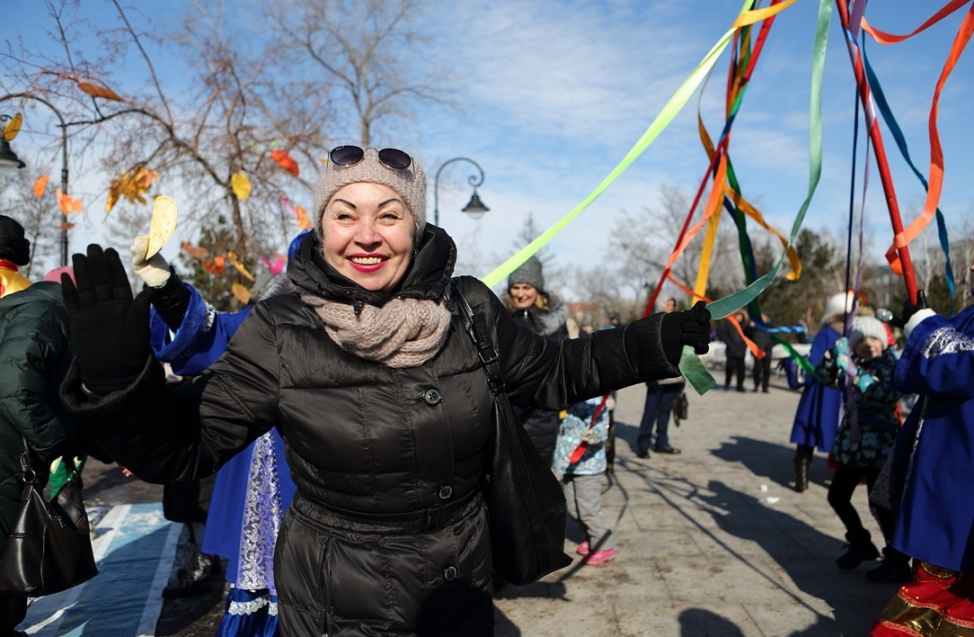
730 304
694 371
801 360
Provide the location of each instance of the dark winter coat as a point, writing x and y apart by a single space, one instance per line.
35 352
542 425
735 345
388 532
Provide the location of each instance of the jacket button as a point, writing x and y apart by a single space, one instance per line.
450 573
432 397
446 492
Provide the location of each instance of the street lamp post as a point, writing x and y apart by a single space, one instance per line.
64 159
475 207
8 158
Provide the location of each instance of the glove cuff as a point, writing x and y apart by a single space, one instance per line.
155 272
647 351
918 317
171 301
106 385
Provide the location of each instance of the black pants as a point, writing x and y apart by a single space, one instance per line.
844 484
761 373
732 366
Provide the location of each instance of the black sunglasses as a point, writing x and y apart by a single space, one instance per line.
351 155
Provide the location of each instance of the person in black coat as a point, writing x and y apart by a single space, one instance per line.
735 349
545 314
35 352
761 372
370 376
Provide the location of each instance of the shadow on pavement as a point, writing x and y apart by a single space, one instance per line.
802 552
772 461
695 622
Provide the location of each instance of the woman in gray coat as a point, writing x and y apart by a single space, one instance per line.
378 392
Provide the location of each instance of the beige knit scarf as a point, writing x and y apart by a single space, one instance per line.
401 333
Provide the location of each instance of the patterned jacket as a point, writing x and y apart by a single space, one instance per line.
869 420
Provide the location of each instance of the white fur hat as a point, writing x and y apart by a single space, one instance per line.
837 306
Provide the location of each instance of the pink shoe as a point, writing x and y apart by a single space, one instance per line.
599 557
582 548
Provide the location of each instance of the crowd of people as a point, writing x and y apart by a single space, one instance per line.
347 416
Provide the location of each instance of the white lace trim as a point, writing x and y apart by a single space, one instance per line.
251 607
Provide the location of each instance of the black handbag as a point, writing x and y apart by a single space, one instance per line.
525 504
681 407
49 547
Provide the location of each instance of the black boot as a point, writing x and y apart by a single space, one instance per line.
801 472
895 568
860 550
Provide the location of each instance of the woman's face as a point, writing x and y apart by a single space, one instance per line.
368 235
868 348
523 295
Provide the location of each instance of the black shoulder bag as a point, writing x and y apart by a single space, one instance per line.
525 503
49 548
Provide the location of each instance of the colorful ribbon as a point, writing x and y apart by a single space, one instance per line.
672 107
894 128
739 299
935 181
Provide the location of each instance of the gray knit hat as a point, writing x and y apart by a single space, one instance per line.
863 326
530 273
14 246
409 183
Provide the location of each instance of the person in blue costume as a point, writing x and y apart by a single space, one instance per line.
253 490
820 406
933 470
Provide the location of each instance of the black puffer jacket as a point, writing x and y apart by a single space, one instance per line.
388 533
35 352
542 425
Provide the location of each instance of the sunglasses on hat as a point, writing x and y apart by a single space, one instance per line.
351 155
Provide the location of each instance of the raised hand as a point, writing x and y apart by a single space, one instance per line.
109 329
688 327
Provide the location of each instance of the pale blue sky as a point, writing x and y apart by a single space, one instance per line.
554 94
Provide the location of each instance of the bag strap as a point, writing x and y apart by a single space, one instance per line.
476 326
28 475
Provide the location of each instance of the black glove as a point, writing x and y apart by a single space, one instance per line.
688 327
109 331
910 308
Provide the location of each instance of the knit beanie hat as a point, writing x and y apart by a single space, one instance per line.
13 246
863 326
530 273
409 183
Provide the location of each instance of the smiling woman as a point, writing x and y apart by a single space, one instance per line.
379 392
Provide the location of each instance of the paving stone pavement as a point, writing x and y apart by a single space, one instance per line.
712 542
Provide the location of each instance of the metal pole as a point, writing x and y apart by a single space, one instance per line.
436 184
64 161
